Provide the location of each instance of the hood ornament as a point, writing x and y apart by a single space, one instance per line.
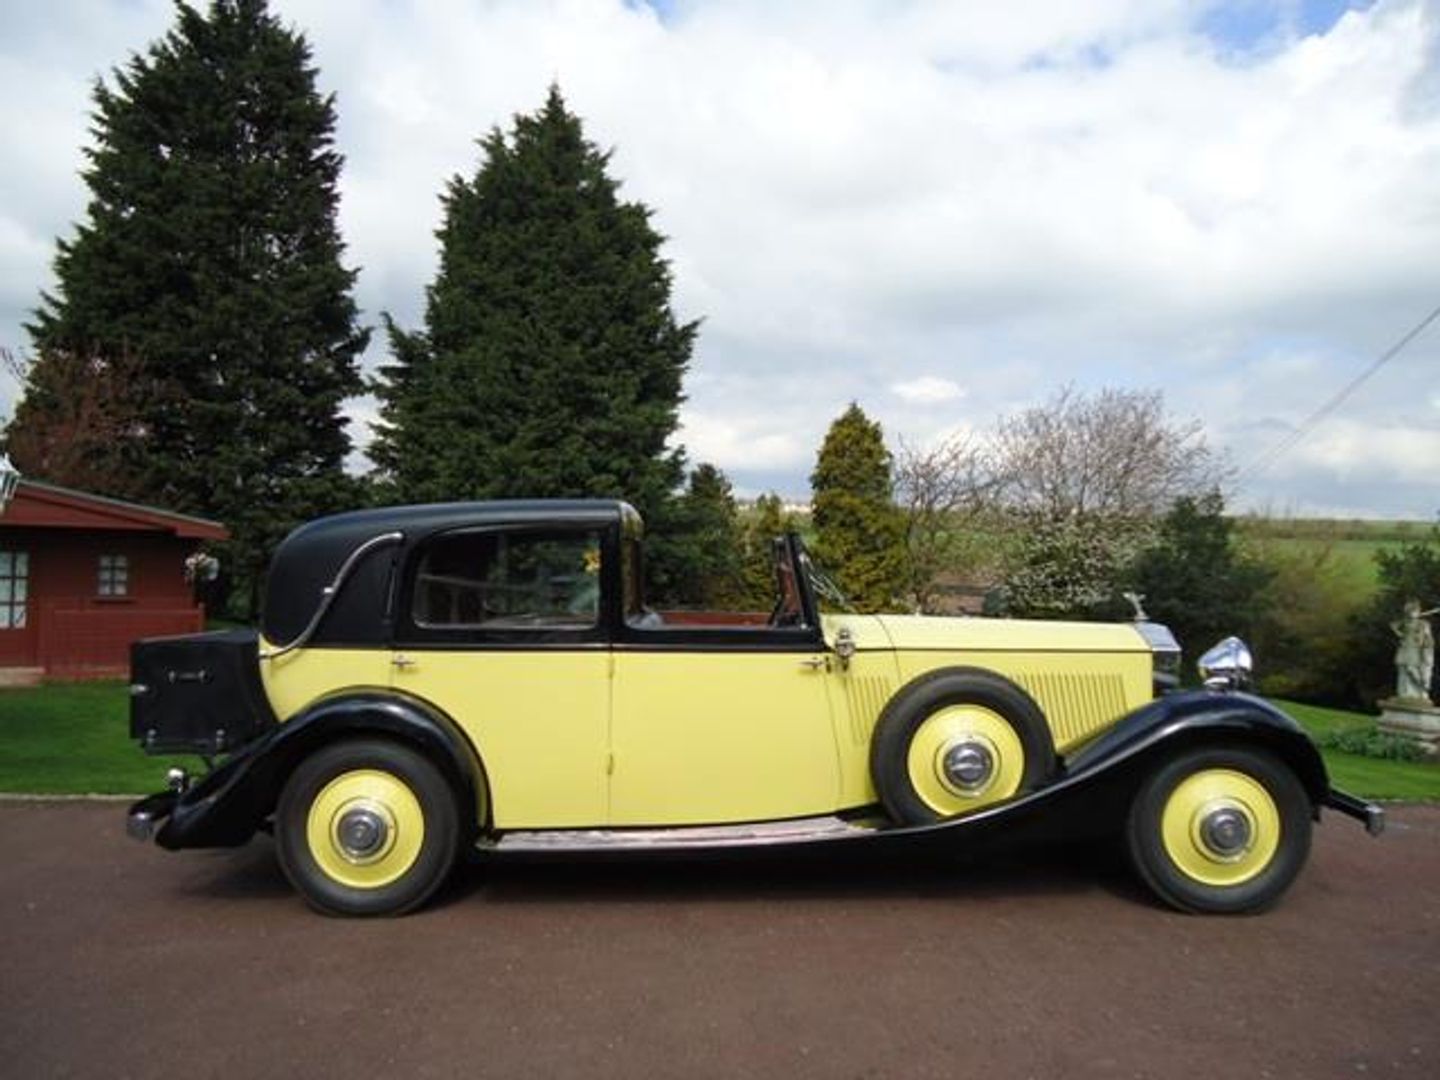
1135 598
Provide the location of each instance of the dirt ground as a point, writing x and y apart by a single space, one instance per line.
122 960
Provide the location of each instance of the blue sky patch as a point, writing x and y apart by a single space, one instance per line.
1249 26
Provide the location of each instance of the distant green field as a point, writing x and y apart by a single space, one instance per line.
1352 544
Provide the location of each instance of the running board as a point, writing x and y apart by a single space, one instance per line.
752 834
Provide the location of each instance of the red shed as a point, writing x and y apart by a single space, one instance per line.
82 576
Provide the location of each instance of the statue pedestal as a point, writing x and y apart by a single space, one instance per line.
1412 719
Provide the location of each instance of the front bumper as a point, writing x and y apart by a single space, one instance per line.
1368 812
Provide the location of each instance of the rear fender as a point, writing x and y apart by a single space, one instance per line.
227 806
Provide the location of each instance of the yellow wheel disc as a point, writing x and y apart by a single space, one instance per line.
996 752
1220 827
365 828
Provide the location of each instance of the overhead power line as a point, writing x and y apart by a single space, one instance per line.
1269 457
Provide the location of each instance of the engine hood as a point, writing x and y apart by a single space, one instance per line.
1006 635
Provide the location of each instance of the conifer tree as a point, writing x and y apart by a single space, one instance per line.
707 543
550 363
860 533
210 259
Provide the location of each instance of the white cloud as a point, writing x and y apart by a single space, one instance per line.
862 197
927 390
741 444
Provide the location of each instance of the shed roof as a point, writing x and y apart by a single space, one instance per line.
46 506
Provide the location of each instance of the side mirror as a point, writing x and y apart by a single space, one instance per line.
1227 666
844 646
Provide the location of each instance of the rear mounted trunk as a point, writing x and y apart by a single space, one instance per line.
199 694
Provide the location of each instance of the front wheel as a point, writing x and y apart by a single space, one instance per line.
1220 830
367 827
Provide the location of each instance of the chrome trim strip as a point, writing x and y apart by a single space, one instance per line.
751 834
328 594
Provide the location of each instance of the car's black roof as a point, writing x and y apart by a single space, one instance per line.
308 559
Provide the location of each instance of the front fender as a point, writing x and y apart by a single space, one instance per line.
1093 794
226 806
1177 720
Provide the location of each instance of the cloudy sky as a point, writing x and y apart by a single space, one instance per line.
944 211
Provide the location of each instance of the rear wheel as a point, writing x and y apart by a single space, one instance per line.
1221 829
367 827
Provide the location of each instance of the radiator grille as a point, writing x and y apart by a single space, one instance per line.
1075 705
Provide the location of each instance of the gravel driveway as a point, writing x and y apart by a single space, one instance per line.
121 960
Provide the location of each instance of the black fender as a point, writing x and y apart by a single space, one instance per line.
1176 721
226 806
1092 795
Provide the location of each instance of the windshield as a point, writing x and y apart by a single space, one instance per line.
828 594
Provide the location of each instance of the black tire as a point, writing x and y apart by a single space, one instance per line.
388 782
1183 870
905 717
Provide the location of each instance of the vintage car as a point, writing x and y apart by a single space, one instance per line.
486 677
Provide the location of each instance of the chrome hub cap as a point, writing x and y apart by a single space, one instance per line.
1225 832
968 766
361 831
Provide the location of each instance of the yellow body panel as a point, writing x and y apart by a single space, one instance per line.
858 694
586 737
713 737
1084 676
298 678
539 720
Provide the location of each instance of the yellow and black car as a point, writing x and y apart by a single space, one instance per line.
486 677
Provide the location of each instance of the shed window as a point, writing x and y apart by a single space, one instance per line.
114 575
14 589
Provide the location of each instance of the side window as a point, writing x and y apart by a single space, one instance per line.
509 580
14 584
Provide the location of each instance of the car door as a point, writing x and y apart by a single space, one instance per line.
704 734
718 723
499 627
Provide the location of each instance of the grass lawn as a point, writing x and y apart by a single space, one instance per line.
74 738
1365 776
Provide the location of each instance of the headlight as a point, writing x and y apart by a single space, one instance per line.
1165 655
1227 666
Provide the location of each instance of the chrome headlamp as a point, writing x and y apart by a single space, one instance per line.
1227 666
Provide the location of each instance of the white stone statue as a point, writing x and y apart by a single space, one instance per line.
1415 655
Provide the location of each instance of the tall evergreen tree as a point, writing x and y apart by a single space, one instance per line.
551 361
708 543
211 260
860 533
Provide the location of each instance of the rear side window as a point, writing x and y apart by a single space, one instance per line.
509 580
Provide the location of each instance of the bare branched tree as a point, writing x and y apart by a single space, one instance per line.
1116 454
942 492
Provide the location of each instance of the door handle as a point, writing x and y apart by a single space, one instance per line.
815 663
401 661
